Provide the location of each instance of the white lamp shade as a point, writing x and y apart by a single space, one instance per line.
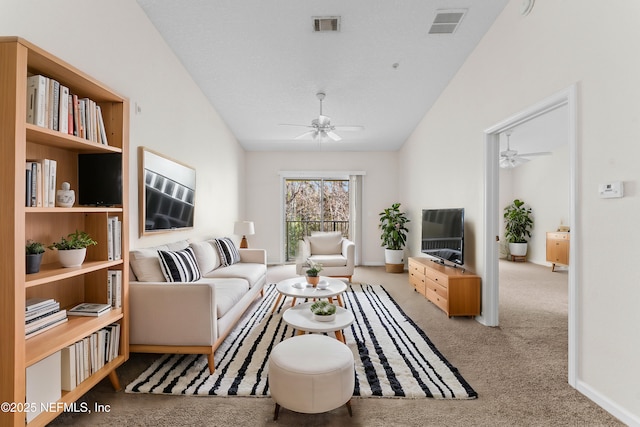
243 228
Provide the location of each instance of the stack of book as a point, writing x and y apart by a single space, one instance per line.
40 188
42 314
51 105
90 309
85 357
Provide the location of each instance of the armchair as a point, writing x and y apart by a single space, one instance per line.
335 253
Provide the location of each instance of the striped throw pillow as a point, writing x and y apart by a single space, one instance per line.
179 266
227 250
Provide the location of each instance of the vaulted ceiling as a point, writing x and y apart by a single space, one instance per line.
260 63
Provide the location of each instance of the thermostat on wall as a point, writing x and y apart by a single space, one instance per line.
611 190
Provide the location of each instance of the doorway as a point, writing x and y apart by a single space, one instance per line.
490 289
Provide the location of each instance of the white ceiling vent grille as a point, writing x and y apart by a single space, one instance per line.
446 21
322 24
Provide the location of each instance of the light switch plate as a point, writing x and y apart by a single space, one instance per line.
611 190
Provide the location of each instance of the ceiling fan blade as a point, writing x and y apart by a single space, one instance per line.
333 135
291 124
541 153
349 127
512 162
306 134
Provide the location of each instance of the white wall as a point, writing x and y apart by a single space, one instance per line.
114 42
543 184
264 198
522 61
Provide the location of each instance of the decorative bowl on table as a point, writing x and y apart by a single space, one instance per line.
323 311
322 284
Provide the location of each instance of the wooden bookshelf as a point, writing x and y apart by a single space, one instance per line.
20 141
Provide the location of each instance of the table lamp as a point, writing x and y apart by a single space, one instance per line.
244 229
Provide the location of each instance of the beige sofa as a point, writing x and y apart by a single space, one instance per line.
190 317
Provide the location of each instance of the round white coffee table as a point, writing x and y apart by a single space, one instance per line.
301 318
298 287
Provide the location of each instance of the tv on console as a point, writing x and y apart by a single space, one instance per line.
443 234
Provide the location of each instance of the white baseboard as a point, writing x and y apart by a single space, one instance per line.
609 406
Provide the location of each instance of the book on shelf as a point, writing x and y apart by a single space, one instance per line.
90 309
45 328
33 304
114 288
68 368
50 319
63 110
37 99
34 315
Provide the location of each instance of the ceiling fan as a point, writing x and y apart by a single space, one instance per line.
321 128
510 158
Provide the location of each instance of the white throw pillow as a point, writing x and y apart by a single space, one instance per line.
145 264
326 243
206 255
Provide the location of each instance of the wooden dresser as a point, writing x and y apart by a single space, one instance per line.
558 248
455 292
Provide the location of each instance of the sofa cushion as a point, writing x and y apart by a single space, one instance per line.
145 264
228 293
179 266
325 243
252 272
227 251
206 255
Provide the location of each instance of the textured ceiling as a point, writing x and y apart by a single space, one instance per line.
260 64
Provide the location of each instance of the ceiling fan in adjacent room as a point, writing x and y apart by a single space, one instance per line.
321 128
510 158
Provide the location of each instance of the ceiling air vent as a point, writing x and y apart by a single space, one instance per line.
322 24
446 21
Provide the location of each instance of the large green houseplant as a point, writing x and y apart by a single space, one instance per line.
394 237
518 222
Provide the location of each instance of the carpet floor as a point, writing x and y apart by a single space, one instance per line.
393 356
518 369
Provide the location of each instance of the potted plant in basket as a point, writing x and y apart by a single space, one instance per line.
34 251
313 272
323 311
394 237
517 222
73 249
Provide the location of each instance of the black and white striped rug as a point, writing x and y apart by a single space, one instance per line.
393 356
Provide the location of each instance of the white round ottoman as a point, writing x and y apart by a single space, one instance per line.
311 374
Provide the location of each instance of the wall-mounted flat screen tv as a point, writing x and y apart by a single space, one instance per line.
168 192
443 234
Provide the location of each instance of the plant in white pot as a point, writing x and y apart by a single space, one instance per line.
73 249
394 237
34 252
323 311
313 273
517 225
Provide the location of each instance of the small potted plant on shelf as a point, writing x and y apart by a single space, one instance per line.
34 252
73 249
517 222
323 311
313 273
394 237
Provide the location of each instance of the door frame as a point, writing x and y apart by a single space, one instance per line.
490 279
